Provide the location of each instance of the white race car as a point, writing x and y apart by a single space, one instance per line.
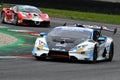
75 43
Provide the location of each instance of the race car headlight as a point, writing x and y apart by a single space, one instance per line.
82 46
41 45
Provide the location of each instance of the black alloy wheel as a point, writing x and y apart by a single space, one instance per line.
15 20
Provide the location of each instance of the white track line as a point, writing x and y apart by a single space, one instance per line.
12 57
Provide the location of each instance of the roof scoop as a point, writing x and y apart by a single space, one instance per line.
35 14
62 42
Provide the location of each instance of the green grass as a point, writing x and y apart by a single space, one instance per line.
87 16
23 45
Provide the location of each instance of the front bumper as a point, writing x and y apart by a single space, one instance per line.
60 54
32 22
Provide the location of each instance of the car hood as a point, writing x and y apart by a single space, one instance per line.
63 44
36 16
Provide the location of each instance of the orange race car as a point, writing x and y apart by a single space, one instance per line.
25 15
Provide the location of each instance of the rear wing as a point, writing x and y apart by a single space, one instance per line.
98 28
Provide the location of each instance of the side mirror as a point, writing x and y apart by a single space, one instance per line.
101 39
42 34
64 24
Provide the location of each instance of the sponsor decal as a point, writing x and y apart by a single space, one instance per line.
58 49
61 45
40 47
80 50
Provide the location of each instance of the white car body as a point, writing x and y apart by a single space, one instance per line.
84 50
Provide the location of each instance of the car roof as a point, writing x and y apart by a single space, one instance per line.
73 28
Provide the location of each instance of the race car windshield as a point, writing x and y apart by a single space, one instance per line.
70 35
29 9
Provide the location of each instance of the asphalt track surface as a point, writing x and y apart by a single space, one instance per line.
31 69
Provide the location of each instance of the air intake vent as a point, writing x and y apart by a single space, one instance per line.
58 54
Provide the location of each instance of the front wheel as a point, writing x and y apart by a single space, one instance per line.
40 58
2 17
111 52
15 22
95 54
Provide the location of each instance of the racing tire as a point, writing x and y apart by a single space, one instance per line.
73 59
104 53
15 22
95 54
40 58
2 17
111 52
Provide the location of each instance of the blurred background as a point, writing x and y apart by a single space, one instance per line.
97 6
109 0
